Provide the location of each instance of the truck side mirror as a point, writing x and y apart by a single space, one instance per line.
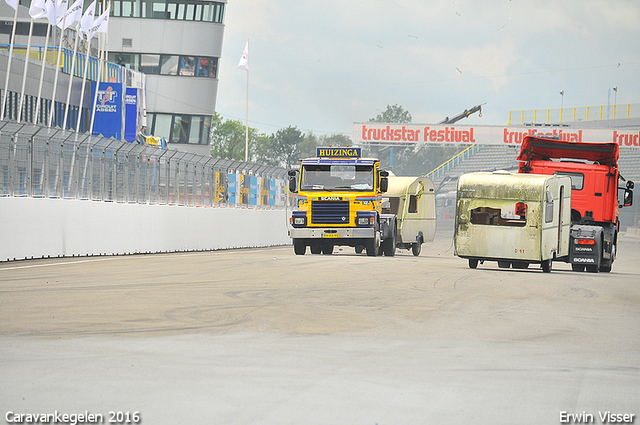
384 181
293 183
628 197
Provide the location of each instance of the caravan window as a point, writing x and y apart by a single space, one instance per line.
413 204
515 215
548 206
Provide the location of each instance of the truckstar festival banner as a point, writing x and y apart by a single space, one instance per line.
364 133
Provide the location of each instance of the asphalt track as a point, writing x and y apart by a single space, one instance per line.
261 336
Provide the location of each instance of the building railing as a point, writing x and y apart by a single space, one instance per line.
113 71
583 113
448 165
46 162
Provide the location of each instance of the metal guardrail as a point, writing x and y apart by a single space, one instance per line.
583 113
37 52
38 161
448 165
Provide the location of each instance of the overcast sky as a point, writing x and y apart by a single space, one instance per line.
323 65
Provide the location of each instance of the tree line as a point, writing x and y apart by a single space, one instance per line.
284 147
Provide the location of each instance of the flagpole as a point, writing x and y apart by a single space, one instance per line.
84 80
44 61
103 19
85 28
24 74
95 95
246 131
55 79
73 66
6 80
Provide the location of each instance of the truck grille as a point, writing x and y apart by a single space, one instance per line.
330 212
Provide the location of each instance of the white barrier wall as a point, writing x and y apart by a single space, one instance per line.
37 227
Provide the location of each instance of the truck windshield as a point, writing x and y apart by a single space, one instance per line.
337 177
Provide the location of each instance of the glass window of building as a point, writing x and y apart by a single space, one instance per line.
150 64
187 65
128 60
213 12
207 67
154 9
196 129
169 65
169 9
162 125
128 8
198 13
204 129
180 129
190 12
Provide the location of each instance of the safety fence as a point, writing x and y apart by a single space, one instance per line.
38 161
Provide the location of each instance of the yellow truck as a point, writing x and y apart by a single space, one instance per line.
339 202
514 219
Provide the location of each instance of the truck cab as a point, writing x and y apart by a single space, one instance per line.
339 200
596 194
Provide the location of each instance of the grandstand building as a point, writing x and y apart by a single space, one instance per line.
178 45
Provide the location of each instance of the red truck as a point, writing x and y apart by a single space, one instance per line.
596 196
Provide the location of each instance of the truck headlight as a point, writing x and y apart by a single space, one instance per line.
366 218
365 221
298 219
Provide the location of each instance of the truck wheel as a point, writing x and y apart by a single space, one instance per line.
473 263
605 268
389 246
546 266
359 249
373 244
520 265
316 248
606 265
327 249
299 247
577 267
416 248
593 269
504 264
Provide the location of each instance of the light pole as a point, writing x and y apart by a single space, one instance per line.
561 103
615 100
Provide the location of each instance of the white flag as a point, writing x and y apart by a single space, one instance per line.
73 15
101 24
244 60
55 8
13 4
87 20
38 9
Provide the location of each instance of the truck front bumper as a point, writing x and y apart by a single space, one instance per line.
332 233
